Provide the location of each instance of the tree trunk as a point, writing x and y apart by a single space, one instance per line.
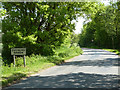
113 43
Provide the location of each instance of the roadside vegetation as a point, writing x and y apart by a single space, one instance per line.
45 29
113 50
36 63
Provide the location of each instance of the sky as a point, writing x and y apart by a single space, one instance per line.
79 24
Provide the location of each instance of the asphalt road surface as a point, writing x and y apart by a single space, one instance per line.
96 68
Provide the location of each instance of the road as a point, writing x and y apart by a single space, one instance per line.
96 68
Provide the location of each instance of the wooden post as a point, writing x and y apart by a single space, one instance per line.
14 59
24 61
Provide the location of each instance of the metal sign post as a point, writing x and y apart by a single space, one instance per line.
19 51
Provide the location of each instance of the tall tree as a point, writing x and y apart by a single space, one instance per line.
39 26
103 28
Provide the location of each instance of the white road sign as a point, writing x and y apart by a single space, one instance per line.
18 51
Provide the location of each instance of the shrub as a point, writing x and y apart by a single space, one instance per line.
63 55
19 62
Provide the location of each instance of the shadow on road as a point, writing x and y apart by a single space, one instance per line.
94 51
14 77
73 80
99 54
105 62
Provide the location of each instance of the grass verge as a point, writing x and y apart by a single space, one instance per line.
12 74
113 50
36 63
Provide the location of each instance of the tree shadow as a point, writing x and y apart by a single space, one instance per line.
75 80
94 51
10 79
100 62
71 80
98 53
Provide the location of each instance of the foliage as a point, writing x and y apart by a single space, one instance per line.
36 63
40 27
113 50
65 52
104 28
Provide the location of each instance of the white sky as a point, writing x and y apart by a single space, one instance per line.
79 24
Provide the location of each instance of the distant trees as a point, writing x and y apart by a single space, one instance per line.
104 29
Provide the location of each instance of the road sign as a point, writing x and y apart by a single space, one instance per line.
18 51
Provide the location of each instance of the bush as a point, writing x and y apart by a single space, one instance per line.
19 62
66 52
63 55
16 40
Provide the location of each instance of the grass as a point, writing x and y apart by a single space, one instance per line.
36 63
10 74
113 50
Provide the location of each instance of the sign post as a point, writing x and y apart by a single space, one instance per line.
18 51
24 61
14 59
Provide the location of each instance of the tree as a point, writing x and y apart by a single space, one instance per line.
40 27
103 28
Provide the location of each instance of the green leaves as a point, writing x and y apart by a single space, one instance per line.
39 26
103 28
44 7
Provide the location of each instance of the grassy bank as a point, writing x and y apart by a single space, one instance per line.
36 63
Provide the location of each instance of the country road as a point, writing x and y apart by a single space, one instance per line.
96 68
